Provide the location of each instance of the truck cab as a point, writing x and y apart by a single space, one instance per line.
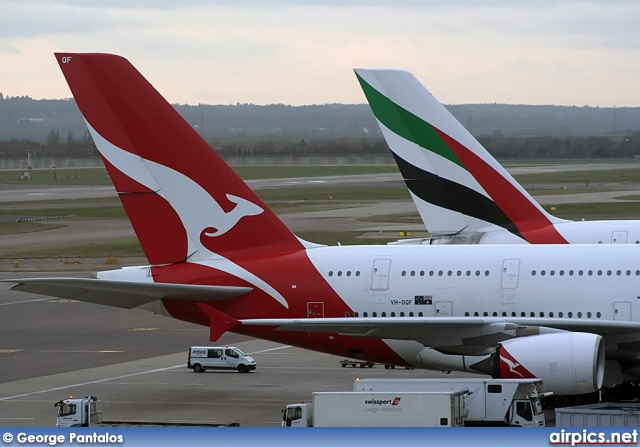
298 415
526 406
525 413
202 358
78 412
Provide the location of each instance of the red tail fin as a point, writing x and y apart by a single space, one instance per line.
183 200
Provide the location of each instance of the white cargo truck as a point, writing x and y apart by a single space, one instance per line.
371 409
493 402
87 412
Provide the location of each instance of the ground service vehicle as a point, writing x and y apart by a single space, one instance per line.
79 412
87 412
491 402
202 358
623 414
353 363
371 409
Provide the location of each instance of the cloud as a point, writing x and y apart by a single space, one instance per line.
301 52
20 20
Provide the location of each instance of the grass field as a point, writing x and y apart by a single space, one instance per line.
89 176
98 176
286 201
87 212
26 227
582 177
124 247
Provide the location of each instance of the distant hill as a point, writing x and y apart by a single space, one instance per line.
26 118
522 120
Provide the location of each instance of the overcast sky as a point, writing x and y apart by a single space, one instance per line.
303 52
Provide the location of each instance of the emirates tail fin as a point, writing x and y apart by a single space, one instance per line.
457 186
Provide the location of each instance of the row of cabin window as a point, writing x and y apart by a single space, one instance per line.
347 273
441 273
382 314
581 272
413 273
533 314
486 273
533 273
477 314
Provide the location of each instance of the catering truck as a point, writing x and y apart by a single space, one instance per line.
374 409
492 402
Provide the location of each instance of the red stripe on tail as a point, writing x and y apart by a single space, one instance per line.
534 226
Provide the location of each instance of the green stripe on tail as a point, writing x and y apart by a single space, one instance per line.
406 124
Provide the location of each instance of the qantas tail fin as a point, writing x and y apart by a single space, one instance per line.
184 201
457 186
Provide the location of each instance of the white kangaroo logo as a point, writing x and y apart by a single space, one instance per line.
226 221
198 211
512 366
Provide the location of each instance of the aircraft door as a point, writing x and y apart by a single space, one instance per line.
622 311
619 237
510 268
315 309
380 277
443 309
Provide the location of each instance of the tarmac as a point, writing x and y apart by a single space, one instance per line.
135 361
162 390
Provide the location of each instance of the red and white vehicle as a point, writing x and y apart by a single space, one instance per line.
219 257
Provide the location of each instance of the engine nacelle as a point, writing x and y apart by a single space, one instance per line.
432 359
568 362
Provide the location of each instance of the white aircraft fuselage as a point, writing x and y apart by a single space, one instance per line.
591 288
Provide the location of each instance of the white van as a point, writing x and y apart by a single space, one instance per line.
202 358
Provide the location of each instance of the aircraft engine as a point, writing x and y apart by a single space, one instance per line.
568 362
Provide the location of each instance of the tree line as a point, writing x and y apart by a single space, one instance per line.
68 146
500 146
571 147
27 118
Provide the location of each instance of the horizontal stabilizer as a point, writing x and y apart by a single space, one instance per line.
219 322
124 294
